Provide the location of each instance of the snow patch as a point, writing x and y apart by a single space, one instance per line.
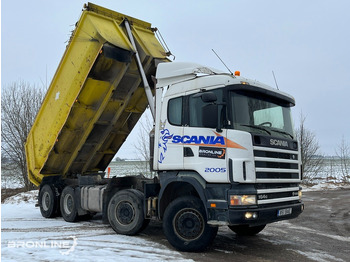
325 186
30 197
27 236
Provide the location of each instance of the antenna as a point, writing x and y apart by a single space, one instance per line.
222 61
275 79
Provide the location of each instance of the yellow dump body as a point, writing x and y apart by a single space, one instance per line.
95 98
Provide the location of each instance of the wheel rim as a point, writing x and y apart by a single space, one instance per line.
188 224
125 213
46 199
68 204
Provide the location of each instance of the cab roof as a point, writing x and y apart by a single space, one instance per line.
171 74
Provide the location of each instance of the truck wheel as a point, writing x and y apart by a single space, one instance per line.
68 205
185 225
245 230
145 221
48 202
125 212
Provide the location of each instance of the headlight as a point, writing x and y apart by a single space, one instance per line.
300 194
242 200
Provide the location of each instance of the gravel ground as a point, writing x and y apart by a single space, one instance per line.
321 233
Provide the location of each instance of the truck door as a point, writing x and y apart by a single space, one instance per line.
170 148
204 149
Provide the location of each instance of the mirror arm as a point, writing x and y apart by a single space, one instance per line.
218 127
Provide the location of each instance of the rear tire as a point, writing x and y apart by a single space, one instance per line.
245 230
185 225
68 205
126 212
48 202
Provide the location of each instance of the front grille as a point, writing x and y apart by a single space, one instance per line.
280 155
276 165
278 195
276 175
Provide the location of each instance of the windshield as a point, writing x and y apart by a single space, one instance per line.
259 114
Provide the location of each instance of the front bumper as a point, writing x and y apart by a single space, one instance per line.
265 215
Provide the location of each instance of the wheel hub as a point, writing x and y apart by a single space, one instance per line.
46 201
188 224
125 213
68 204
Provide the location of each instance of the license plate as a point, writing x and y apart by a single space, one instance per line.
284 212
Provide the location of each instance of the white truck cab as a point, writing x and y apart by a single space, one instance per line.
232 135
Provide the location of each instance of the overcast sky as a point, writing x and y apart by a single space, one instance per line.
305 43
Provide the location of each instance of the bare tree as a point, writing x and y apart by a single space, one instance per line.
142 145
20 103
331 166
312 161
343 152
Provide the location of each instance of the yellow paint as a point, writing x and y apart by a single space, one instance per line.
94 99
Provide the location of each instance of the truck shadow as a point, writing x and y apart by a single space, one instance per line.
227 244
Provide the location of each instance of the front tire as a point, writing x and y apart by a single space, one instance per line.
126 212
185 225
245 230
48 202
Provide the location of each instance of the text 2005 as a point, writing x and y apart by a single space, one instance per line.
215 170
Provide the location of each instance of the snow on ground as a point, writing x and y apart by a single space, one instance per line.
27 236
325 186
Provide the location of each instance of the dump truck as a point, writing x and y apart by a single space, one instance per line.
222 146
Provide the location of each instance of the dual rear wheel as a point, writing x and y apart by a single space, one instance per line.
48 202
53 204
68 205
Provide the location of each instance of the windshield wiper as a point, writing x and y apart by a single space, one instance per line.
283 132
257 127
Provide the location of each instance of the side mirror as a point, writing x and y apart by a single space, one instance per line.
207 97
210 115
